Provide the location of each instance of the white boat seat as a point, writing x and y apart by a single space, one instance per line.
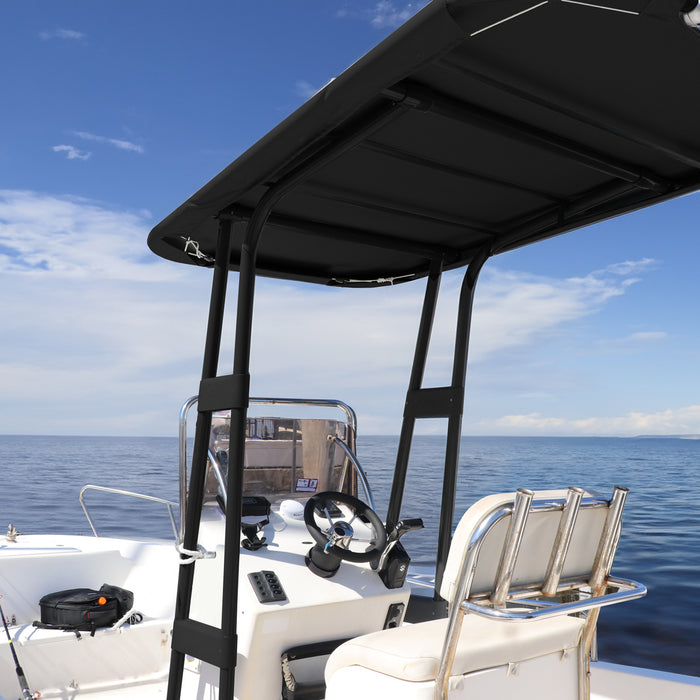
520 567
413 652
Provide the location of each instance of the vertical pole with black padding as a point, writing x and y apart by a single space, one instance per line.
200 450
239 411
213 645
456 409
240 380
420 355
438 402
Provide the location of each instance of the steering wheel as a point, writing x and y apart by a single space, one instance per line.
334 542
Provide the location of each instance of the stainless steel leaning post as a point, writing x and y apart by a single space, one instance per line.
536 599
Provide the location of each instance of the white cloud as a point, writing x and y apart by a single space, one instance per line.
62 34
515 309
73 237
645 336
367 347
305 89
96 330
71 152
678 421
631 267
512 310
387 14
121 144
109 337
384 14
633 341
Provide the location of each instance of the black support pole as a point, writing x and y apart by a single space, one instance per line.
439 402
241 368
210 644
239 412
454 426
418 370
200 449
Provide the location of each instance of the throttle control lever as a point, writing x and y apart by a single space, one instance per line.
400 529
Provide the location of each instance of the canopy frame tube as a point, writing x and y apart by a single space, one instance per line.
441 402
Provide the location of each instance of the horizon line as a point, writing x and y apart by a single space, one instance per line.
678 436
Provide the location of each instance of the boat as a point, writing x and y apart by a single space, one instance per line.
475 129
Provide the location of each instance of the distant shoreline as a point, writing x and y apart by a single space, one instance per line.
677 437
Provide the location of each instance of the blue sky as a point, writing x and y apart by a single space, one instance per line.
114 113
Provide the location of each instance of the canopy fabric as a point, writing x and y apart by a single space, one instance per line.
478 125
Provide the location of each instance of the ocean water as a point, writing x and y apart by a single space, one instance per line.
660 544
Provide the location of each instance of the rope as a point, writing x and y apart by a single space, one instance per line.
287 674
192 248
193 554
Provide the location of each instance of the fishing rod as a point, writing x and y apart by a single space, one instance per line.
26 693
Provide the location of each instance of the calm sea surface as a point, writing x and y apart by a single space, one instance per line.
660 545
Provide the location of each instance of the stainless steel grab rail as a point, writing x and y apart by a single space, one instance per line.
220 477
324 403
182 465
131 494
358 468
625 589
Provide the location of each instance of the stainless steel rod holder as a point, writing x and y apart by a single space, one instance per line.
608 540
511 547
562 541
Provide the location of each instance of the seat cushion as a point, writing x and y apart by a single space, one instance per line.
413 652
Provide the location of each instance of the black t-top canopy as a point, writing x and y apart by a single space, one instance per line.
476 124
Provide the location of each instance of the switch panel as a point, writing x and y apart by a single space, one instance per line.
267 586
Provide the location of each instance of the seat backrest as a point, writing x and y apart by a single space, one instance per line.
482 533
541 559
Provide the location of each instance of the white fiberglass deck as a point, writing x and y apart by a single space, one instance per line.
132 661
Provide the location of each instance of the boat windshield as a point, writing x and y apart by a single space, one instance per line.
285 457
